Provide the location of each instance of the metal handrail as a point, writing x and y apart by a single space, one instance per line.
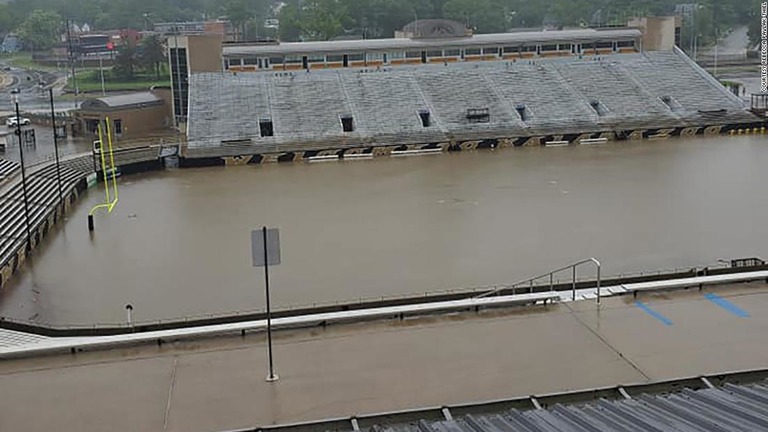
551 275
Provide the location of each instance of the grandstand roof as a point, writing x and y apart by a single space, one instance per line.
575 36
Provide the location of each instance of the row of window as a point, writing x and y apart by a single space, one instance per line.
305 61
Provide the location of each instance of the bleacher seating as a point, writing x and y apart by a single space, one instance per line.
452 91
387 107
609 84
628 91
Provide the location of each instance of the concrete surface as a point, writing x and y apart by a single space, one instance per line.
219 383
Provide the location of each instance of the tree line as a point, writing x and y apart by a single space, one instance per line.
327 19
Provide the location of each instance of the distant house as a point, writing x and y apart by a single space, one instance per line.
132 115
11 44
433 28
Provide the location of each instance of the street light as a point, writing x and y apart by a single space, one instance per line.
56 150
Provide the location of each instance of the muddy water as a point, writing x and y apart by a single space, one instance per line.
178 245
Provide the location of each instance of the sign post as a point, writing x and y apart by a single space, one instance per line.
265 252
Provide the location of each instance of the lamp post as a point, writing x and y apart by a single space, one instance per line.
23 171
56 150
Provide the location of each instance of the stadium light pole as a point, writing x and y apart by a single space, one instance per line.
56 149
23 171
717 42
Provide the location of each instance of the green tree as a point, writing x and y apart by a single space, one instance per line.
315 19
150 54
238 12
125 63
6 20
289 29
482 15
753 23
41 29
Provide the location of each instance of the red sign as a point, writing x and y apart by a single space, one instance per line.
110 46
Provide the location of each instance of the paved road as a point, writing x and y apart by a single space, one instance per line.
735 43
219 384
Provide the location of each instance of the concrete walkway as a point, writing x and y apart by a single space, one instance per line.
218 384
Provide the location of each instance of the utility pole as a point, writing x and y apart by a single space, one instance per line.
72 60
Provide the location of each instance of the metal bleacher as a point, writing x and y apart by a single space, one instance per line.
671 74
7 168
453 91
609 83
42 198
387 107
308 108
629 91
551 106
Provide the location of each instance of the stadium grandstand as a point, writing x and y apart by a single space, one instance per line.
290 101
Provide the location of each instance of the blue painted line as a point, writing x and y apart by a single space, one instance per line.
653 313
725 304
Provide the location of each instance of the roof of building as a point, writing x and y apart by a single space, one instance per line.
575 36
436 28
678 405
122 101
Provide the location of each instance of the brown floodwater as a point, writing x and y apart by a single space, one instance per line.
178 242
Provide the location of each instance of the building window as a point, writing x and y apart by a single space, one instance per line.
293 59
493 50
375 56
434 53
472 51
453 52
317 58
118 127
92 126
250 61
549 47
413 54
179 82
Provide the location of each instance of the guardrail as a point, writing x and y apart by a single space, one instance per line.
115 328
54 345
551 276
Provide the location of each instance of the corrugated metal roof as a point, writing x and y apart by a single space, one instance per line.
122 100
732 408
404 44
686 405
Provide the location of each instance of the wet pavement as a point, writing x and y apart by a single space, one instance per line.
178 242
218 384
43 150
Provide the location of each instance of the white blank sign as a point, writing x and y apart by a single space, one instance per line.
273 247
